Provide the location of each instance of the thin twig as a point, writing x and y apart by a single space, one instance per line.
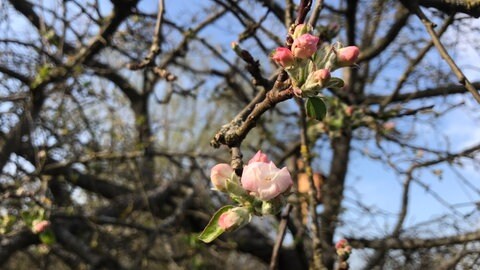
429 25
303 10
315 13
155 49
282 229
413 63
312 193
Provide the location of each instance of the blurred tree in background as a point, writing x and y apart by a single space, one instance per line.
109 110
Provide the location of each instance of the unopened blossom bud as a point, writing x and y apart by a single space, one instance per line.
315 82
321 76
283 56
300 30
349 110
388 126
219 175
347 56
265 181
259 157
305 46
341 243
39 226
234 218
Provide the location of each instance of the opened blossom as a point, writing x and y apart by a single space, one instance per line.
283 57
219 175
305 46
265 181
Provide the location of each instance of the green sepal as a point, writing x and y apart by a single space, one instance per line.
212 230
47 237
316 108
335 83
236 192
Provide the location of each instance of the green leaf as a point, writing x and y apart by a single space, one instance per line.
47 237
212 231
335 82
316 108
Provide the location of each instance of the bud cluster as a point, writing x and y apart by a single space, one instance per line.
343 249
309 61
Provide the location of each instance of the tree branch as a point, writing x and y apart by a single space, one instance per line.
414 243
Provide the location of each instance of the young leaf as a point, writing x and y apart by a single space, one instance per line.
335 83
47 237
236 192
212 230
316 108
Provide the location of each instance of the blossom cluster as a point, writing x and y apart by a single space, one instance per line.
343 249
261 177
261 190
310 61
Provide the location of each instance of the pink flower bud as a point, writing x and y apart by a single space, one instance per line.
347 56
227 220
305 46
321 76
259 157
341 243
234 218
349 110
315 82
283 57
389 126
265 181
39 226
219 175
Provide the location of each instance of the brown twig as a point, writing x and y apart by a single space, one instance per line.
312 193
253 67
413 243
303 10
315 13
429 25
282 229
233 133
413 63
155 48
